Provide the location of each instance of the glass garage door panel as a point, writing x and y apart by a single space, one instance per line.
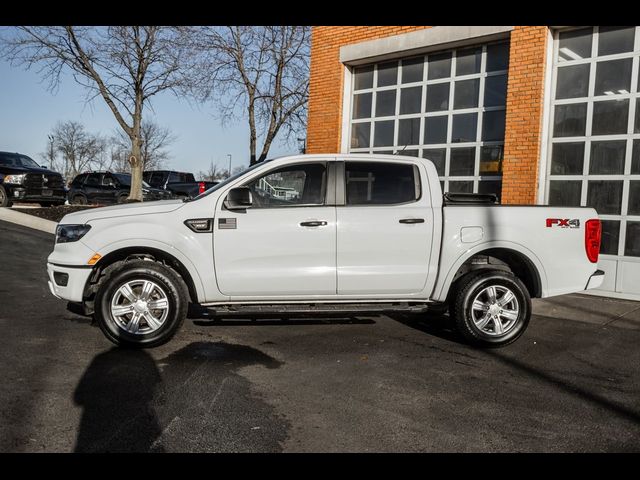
594 148
448 107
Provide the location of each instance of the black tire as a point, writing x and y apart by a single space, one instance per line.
474 284
122 198
5 201
166 278
78 200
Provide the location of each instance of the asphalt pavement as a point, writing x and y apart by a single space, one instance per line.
401 383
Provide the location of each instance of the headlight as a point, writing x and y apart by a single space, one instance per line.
15 178
71 233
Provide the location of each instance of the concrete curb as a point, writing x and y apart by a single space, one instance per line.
26 220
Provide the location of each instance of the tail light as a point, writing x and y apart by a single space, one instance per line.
201 187
592 237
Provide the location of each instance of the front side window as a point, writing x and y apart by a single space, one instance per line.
93 180
295 185
377 183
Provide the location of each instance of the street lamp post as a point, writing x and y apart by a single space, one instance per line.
229 155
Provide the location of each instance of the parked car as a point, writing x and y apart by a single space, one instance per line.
23 180
364 233
181 184
105 188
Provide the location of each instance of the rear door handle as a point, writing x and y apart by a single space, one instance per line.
412 220
314 223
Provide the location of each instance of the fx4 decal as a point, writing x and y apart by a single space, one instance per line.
563 222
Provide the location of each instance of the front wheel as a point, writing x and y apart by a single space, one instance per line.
141 304
5 201
491 308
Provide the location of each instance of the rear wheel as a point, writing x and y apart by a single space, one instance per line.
122 198
5 201
141 304
491 308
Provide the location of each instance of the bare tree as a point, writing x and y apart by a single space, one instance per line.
155 140
79 150
262 69
124 65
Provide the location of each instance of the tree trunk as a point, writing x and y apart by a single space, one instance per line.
136 170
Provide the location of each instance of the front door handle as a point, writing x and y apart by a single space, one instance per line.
314 223
412 220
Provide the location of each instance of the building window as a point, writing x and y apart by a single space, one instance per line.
448 107
594 139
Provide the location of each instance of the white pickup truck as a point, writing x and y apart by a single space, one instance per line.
364 233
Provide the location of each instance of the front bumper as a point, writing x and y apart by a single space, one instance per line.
21 194
76 281
595 280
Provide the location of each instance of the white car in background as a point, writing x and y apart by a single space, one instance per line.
366 233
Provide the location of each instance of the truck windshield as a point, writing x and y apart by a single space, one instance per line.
17 161
226 181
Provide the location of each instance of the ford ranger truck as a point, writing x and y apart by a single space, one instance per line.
355 232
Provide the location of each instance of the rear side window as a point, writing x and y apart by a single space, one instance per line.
377 183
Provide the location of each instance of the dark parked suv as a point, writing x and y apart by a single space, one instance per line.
104 188
181 184
23 180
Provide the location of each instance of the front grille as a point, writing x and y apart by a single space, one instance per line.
39 181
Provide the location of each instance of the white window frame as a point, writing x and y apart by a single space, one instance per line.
348 104
633 97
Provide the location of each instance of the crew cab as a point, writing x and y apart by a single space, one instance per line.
353 232
107 188
23 180
181 184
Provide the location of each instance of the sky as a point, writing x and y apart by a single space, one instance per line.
28 113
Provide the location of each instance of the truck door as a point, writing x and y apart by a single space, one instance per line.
285 244
384 229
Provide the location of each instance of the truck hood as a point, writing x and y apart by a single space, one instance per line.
142 208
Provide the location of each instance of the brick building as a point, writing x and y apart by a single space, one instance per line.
535 114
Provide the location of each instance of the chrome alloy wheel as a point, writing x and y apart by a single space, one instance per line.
139 307
495 310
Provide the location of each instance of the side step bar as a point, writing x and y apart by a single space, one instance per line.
310 308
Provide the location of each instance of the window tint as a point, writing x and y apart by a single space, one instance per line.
125 179
303 184
108 181
373 183
93 180
79 180
175 177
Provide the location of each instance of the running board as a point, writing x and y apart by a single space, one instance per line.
309 308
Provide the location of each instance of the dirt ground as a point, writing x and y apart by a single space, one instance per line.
54 214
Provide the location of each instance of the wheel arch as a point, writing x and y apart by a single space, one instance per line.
137 252
500 256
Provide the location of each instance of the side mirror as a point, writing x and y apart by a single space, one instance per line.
239 198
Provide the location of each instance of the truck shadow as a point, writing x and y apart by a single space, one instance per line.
194 399
435 324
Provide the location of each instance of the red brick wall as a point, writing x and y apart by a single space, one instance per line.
524 99
523 131
327 75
